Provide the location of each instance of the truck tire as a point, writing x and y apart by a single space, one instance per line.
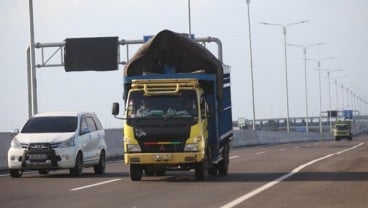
100 167
135 172
223 166
76 171
201 168
16 173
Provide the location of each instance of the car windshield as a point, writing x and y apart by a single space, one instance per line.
183 104
50 124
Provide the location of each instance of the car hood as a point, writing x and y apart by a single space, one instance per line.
43 137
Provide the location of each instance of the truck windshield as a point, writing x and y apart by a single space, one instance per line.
342 127
183 104
50 124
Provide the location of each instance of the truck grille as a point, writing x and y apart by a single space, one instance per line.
162 139
162 146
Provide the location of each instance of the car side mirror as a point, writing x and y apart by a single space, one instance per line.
86 130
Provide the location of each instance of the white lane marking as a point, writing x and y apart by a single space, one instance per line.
233 157
282 149
4 175
258 153
280 179
296 147
96 184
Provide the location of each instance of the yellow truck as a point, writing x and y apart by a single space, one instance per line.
177 109
342 129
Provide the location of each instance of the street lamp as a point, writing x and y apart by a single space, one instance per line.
320 93
251 68
304 47
284 28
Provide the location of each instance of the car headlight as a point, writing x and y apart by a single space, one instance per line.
67 143
191 148
133 148
15 143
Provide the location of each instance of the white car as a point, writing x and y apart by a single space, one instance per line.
59 140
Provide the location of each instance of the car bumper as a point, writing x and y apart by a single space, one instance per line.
45 159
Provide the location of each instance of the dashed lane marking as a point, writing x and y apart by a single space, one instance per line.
95 184
282 178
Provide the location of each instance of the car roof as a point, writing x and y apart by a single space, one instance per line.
61 113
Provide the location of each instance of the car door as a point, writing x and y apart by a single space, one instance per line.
94 138
85 139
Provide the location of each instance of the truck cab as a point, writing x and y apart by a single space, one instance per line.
342 129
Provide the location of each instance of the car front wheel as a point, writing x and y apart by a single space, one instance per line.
15 173
76 171
100 167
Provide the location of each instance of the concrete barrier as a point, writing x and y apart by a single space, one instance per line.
114 140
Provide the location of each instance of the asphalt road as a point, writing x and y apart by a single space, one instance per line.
313 174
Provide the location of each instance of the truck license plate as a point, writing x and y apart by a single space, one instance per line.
163 157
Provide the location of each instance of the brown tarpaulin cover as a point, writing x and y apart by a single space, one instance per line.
176 51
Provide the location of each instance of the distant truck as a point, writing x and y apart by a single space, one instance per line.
342 129
177 109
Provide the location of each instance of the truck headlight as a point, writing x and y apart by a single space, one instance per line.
67 143
133 148
15 143
191 148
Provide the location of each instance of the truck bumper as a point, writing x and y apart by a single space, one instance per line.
163 158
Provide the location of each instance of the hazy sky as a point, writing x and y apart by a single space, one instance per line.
341 24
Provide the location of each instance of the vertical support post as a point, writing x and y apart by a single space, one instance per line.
29 82
190 23
287 85
306 90
33 60
251 69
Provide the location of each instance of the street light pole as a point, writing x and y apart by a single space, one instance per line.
251 67
320 89
337 93
304 47
284 28
190 24
329 95
33 60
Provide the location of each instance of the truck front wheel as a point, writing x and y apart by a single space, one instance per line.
201 168
135 172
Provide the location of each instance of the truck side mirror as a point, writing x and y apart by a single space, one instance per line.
115 109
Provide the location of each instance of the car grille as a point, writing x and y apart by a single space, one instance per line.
39 146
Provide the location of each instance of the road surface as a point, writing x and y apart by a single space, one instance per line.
309 174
